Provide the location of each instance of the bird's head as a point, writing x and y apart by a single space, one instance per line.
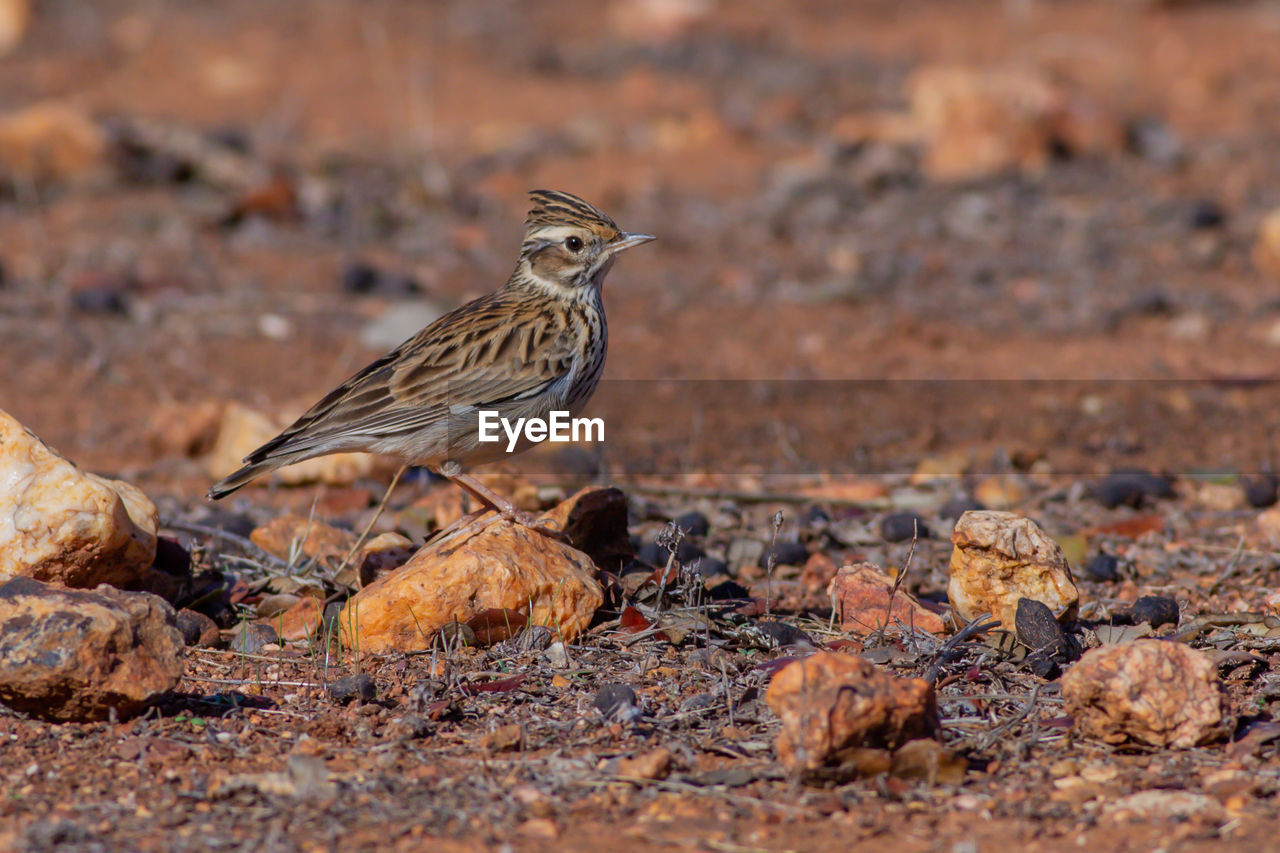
569 245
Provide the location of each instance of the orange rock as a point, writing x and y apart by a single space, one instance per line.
71 654
299 621
289 534
861 596
1000 557
504 566
818 572
1149 691
185 429
832 705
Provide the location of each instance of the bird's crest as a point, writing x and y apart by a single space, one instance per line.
551 207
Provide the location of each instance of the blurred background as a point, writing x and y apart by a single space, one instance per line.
209 202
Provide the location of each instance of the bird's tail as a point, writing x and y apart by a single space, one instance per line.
231 482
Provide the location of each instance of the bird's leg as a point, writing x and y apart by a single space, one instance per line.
506 509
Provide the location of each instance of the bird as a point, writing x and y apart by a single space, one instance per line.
535 345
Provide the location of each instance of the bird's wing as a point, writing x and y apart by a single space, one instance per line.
487 352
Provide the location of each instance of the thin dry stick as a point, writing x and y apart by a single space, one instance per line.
382 505
1230 570
771 562
878 637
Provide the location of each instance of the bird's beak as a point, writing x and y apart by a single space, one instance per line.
626 241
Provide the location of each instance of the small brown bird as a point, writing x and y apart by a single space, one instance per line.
535 345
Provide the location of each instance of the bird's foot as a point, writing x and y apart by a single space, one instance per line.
534 522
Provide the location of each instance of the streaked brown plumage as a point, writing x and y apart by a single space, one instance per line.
535 345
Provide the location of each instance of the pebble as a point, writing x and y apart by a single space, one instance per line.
349 688
958 506
557 655
1036 626
252 637
656 555
100 299
1102 567
197 629
814 516
710 567
1155 610
616 701
1260 491
778 634
1206 213
902 526
364 279
693 523
787 552
1131 488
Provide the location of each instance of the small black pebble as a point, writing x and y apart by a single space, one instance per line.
251 637
814 516
1155 610
99 300
172 558
1043 665
1206 213
781 634
901 526
789 553
728 591
1103 567
652 553
1131 488
1036 626
656 555
615 700
362 279
351 687
958 506
692 523
710 567
688 552
1260 491
359 278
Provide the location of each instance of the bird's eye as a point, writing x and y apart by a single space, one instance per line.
573 244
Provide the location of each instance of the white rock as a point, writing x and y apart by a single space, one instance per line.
58 523
1000 557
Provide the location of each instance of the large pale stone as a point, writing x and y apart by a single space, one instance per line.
1150 691
244 430
832 703
58 523
76 654
504 566
1000 557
